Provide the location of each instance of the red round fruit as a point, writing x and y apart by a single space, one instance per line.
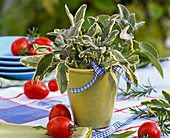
35 91
59 127
52 85
19 45
43 41
149 128
59 110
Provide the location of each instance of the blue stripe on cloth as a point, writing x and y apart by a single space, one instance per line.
99 71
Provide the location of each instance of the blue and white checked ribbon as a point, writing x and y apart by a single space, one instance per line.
99 71
111 129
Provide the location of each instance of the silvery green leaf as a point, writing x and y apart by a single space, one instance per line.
41 49
61 71
43 65
30 61
107 29
132 19
119 56
80 13
94 29
124 13
134 59
148 48
111 37
102 17
91 20
74 31
60 41
70 16
85 40
138 25
114 16
125 35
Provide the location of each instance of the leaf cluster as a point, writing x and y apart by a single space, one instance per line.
157 108
109 41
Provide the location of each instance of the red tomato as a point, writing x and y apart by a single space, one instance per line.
35 91
59 110
43 41
59 127
52 85
19 45
151 129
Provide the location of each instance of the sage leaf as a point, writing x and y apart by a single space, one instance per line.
70 16
155 62
124 13
80 13
148 48
156 102
74 31
124 35
132 19
43 65
61 71
166 95
30 61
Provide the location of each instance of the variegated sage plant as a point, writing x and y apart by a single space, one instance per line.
109 41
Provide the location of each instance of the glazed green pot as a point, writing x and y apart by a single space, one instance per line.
94 106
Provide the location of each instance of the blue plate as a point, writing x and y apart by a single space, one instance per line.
10 63
15 69
17 75
5 47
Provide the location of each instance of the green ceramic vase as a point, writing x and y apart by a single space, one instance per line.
94 106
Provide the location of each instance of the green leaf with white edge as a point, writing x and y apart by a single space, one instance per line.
94 29
107 29
133 59
74 31
132 19
138 25
146 47
85 40
124 35
61 71
30 61
166 96
41 49
155 62
60 40
91 20
102 17
156 102
122 135
43 65
119 56
124 13
80 13
70 16
114 16
156 110
132 76
111 37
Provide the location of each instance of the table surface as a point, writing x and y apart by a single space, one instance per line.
16 108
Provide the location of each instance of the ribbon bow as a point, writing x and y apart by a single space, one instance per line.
99 71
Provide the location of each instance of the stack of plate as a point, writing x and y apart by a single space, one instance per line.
10 66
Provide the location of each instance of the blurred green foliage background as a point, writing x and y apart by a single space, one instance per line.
16 16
